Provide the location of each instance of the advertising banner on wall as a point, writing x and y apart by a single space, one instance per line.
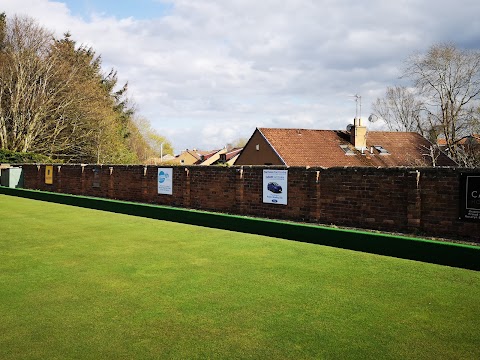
470 197
49 174
275 186
165 181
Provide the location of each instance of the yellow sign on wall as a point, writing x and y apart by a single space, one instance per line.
49 174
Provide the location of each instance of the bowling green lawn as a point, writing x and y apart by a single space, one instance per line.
85 284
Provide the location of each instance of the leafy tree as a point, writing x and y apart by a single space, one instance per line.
95 111
56 100
237 143
3 26
152 144
11 157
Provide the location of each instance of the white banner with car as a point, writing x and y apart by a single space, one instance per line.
275 186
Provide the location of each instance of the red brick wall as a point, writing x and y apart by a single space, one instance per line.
423 200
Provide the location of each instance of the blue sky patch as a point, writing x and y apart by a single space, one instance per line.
138 9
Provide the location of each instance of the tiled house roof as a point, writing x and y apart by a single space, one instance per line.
212 157
228 157
473 139
332 148
232 153
205 155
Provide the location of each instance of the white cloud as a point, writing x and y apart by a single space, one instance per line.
209 71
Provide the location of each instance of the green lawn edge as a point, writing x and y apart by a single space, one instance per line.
430 251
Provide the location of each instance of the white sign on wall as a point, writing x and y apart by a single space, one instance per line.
275 186
165 181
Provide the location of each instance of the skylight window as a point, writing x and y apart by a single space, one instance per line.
347 150
381 150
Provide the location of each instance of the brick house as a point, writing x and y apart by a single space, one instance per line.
205 158
332 148
228 157
213 157
193 157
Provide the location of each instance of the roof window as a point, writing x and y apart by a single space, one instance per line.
381 150
346 149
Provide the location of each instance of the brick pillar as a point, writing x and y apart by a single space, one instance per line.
315 198
414 201
144 184
239 191
39 179
83 180
59 179
111 184
186 194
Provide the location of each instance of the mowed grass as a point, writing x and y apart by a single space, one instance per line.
85 284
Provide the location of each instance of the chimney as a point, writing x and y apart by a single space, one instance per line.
358 135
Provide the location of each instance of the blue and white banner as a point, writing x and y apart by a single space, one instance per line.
165 181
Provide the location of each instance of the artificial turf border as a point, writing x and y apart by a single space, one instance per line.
442 253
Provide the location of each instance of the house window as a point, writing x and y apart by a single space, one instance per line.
182 161
257 147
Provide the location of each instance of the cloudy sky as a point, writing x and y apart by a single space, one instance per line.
206 72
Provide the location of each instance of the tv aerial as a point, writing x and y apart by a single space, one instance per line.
358 105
